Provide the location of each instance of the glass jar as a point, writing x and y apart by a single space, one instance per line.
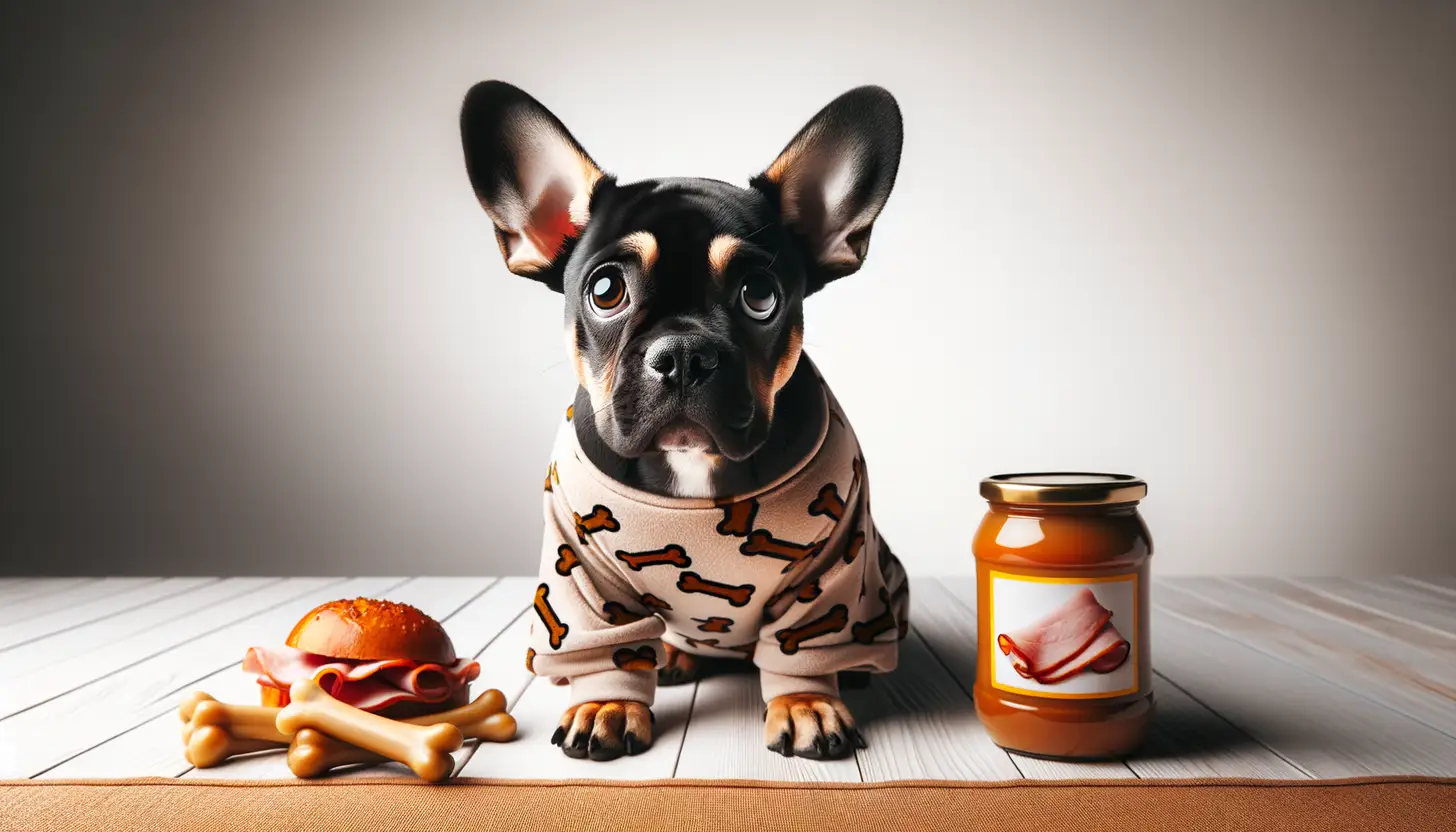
1064 667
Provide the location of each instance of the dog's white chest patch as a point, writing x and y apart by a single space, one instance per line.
692 472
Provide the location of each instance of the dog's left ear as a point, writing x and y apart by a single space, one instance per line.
834 177
532 178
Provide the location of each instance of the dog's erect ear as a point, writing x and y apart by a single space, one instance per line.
834 177
531 177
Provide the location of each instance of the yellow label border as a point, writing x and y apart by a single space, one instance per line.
991 577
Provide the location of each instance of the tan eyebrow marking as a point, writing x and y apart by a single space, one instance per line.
644 245
720 252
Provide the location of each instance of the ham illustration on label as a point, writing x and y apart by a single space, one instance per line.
1074 637
367 685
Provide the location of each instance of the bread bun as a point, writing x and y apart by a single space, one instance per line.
368 630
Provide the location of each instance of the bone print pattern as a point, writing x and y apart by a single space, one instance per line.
642 658
551 476
865 632
548 616
738 596
652 602
531 659
669 555
738 517
599 520
566 560
828 504
834 621
618 614
804 593
715 624
745 649
856 543
762 544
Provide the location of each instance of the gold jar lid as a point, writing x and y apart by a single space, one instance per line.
1063 488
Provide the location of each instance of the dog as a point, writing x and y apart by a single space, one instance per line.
706 499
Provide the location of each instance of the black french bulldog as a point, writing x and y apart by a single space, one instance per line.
684 319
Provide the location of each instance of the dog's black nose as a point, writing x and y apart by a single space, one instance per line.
682 360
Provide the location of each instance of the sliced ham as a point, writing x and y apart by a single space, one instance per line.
369 686
1074 637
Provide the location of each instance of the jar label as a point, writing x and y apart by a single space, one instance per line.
1064 638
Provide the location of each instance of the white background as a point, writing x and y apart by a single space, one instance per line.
262 325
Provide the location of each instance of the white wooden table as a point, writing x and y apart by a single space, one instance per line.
1256 677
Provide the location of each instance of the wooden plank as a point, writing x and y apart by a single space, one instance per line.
75 615
84 717
53 680
1394 674
1438 644
1323 729
725 739
1189 740
21 607
28 588
173 612
1432 612
944 613
1439 584
440 598
1209 742
921 725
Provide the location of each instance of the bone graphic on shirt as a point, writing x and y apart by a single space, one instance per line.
865 632
855 544
1076 636
805 592
652 602
898 602
551 475
642 658
566 560
760 542
618 614
735 595
716 624
553 624
600 520
831 622
828 504
669 555
570 410
738 517
744 649
531 659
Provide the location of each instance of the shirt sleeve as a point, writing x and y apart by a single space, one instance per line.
587 629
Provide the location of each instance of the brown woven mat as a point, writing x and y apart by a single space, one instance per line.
1406 803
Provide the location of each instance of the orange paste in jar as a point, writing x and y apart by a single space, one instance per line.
1063 665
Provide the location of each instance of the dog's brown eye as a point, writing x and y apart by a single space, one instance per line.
607 287
760 296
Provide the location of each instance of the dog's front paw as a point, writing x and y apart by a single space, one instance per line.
604 730
680 668
810 725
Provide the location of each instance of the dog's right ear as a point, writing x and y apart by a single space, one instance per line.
532 178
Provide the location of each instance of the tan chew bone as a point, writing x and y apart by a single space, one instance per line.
244 722
424 748
314 753
209 745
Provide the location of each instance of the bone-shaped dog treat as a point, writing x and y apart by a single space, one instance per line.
738 517
831 622
554 627
760 542
425 749
189 703
566 560
600 520
865 632
243 722
670 555
314 753
735 595
209 745
828 504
